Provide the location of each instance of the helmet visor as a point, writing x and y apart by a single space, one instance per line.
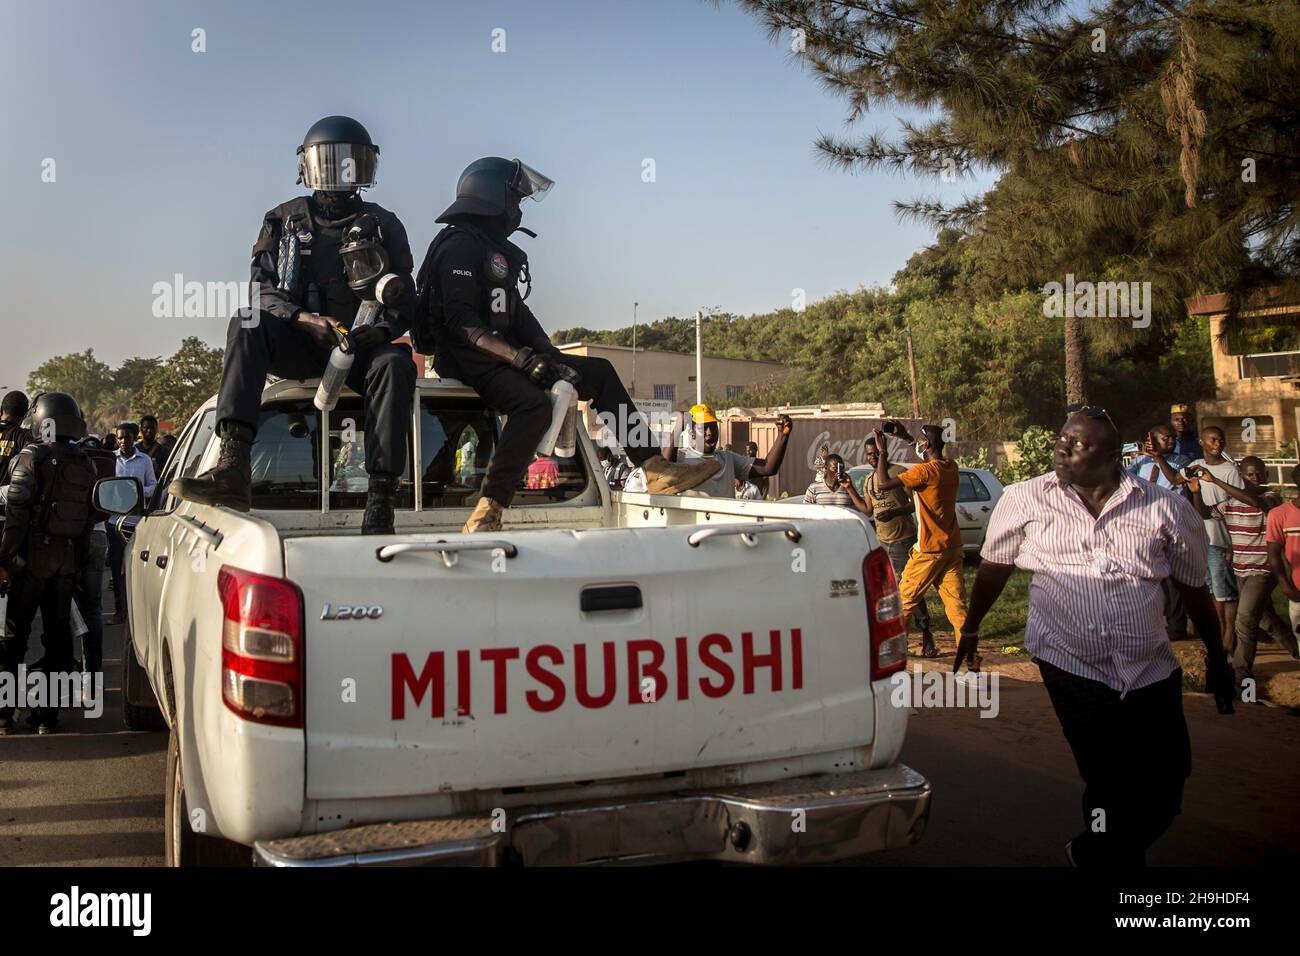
529 182
338 167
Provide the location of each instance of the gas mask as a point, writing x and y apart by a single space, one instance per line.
365 263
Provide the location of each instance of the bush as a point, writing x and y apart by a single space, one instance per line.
1036 445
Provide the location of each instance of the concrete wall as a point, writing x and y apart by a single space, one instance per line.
1265 409
654 367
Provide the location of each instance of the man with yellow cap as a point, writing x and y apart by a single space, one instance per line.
1185 441
701 436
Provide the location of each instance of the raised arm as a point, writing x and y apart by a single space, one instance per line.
769 466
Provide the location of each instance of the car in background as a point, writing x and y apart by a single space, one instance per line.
978 492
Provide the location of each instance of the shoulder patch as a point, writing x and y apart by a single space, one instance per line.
498 266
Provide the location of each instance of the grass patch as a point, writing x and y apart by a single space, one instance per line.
1005 623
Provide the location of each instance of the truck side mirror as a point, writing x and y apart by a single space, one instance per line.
118 496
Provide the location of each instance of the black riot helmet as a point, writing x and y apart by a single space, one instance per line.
493 186
338 156
61 409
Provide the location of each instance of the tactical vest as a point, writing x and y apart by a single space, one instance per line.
320 286
502 267
65 479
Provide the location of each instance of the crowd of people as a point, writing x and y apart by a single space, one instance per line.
54 546
1124 555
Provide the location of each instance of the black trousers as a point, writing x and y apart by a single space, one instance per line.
46 585
528 409
1134 756
1175 612
117 569
385 375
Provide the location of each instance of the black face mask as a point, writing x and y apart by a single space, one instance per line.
336 206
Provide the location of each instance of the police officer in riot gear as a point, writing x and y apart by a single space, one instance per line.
14 437
474 319
306 303
48 520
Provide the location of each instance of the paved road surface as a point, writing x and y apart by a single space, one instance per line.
1006 791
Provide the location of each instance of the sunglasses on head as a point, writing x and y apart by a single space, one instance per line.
1092 411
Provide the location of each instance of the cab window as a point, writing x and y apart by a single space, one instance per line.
457 437
286 476
970 488
184 460
348 478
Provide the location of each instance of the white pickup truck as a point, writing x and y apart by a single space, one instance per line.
611 678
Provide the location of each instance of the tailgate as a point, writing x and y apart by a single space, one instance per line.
491 674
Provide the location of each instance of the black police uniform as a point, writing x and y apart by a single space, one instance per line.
273 343
48 520
13 439
469 282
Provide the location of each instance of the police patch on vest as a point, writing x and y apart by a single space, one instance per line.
498 266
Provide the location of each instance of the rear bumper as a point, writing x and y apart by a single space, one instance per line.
815 819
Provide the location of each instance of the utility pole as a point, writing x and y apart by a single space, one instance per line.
911 366
634 307
699 362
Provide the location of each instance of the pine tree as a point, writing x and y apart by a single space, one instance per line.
1139 140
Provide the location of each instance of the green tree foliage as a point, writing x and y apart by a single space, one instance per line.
180 384
131 374
80 374
993 365
1136 140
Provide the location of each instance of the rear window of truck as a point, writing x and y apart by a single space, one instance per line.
456 439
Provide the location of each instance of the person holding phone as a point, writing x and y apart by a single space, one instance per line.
1207 496
835 488
1158 461
936 561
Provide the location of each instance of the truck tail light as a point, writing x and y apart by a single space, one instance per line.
884 615
261 647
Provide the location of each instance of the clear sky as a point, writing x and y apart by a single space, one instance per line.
166 159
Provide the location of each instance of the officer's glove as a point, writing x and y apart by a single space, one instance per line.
540 369
322 331
567 373
1220 682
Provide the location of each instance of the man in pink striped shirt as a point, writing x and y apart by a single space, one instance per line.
1099 543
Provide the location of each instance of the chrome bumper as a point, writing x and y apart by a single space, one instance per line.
815 819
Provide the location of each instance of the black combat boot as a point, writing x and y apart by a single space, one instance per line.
230 481
378 518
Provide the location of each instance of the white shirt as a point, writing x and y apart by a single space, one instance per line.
1095 604
722 484
140 466
1212 495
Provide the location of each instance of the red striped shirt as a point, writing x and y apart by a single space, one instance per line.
1245 526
